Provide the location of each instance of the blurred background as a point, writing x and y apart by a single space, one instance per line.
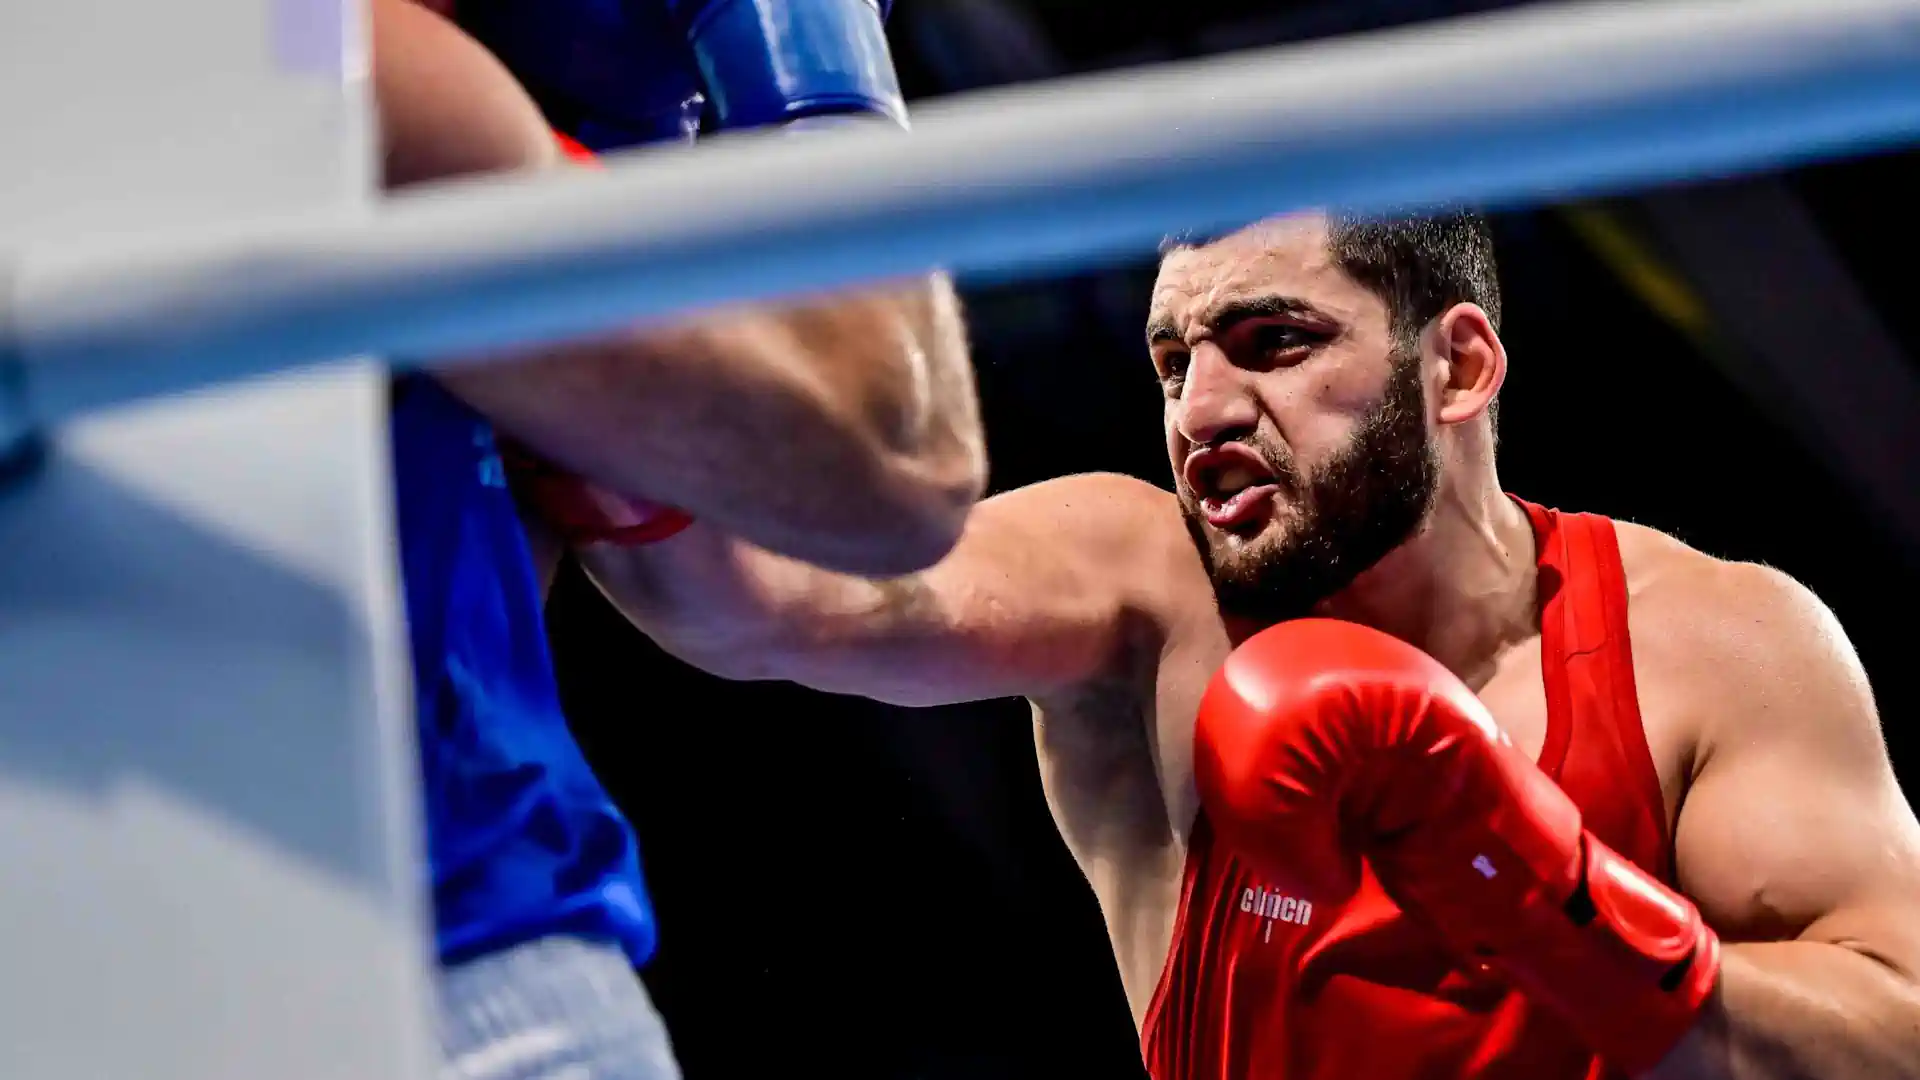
879 892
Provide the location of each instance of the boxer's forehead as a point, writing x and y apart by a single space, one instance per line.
1280 262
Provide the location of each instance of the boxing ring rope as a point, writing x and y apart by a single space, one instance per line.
1537 104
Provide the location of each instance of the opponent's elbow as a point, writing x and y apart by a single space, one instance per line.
925 494
933 468
865 410
905 514
921 464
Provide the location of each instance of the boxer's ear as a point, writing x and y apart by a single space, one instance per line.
1473 362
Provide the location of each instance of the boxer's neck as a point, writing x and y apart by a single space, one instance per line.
1463 589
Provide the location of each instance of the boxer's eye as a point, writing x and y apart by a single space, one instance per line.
1173 371
1281 341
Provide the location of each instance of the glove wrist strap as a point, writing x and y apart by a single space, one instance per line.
1625 960
584 514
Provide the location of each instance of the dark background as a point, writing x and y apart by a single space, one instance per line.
873 891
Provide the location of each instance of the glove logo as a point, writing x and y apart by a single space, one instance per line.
1485 866
1275 907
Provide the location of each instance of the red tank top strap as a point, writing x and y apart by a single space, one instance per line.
1596 745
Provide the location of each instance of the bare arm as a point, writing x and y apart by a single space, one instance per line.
1799 848
1050 587
845 432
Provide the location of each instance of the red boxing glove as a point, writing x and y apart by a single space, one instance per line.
575 152
1321 742
584 514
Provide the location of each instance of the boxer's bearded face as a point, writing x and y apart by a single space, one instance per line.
1296 415
1331 522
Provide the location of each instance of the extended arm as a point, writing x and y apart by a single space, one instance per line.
740 416
1050 586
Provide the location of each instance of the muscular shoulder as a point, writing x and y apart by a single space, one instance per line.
1123 535
1131 527
1736 613
1106 505
1753 648
1111 517
1793 824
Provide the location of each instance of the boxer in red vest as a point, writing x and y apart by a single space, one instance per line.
1377 772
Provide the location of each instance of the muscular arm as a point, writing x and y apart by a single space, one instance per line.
844 432
1050 587
1798 846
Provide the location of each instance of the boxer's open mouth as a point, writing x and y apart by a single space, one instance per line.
1233 483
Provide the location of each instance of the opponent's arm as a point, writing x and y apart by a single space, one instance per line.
1049 587
737 416
1798 846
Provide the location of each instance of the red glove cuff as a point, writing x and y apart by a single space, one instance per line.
584 514
1626 961
575 152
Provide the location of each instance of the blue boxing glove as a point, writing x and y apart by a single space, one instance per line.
766 62
611 73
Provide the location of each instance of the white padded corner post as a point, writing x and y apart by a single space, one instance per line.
209 860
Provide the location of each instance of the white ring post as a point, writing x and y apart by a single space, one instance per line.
208 858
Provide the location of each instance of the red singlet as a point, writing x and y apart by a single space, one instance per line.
1264 986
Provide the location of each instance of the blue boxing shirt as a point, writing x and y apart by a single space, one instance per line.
523 840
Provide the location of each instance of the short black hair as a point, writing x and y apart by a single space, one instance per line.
1421 265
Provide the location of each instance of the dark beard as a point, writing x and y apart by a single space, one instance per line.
1369 500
